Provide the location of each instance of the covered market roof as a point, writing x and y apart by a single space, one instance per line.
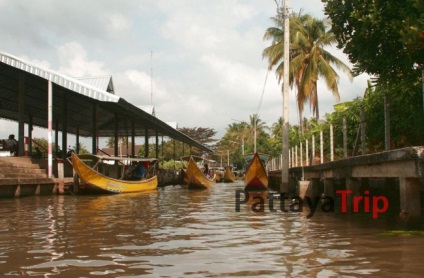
76 104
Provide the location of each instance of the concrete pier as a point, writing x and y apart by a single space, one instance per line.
403 166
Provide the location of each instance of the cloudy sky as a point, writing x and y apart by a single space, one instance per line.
205 56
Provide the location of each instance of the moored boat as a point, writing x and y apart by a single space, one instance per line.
229 174
256 177
91 175
197 178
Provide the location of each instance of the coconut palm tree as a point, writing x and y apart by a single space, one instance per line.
308 58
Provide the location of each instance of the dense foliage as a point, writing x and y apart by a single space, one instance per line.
381 37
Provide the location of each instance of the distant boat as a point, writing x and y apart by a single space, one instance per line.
197 178
229 175
90 176
219 174
256 177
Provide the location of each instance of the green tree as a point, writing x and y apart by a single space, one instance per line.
309 60
110 143
384 37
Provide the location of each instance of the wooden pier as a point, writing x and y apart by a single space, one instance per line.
401 170
23 176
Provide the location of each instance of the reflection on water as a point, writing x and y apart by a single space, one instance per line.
174 232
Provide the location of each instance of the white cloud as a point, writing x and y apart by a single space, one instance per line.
207 57
75 62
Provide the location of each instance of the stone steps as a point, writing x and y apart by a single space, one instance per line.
21 170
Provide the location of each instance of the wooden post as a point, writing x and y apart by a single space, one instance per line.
410 203
329 187
61 175
353 185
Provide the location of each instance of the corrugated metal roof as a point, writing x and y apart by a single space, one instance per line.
74 104
104 83
148 109
67 82
174 125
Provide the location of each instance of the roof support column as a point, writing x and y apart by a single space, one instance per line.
21 131
157 145
56 139
30 127
64 127
146 142
115 146
77 143
161 146
50 128
94 131
133 139
173 156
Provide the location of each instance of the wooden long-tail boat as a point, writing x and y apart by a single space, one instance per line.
90 177
229 175
256 177
196 178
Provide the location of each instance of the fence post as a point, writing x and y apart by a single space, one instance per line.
307 152
295 155
290 161
301 154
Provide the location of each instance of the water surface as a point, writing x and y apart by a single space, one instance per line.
174 232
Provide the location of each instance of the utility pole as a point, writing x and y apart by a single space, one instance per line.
285 148
151 77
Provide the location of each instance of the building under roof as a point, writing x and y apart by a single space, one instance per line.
85 107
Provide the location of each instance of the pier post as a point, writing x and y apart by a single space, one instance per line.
305 188
329 187
352 184
309 188
410 202
61 179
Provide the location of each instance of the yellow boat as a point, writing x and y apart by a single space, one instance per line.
91 177
256 177
229 175
196 178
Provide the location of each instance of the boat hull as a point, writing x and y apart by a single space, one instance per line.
196 179
256 177
95 181
229 175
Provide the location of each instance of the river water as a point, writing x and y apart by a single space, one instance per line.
174 232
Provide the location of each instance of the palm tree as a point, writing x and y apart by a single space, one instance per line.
256 128
308 58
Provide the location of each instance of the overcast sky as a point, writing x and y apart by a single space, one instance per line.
205 55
